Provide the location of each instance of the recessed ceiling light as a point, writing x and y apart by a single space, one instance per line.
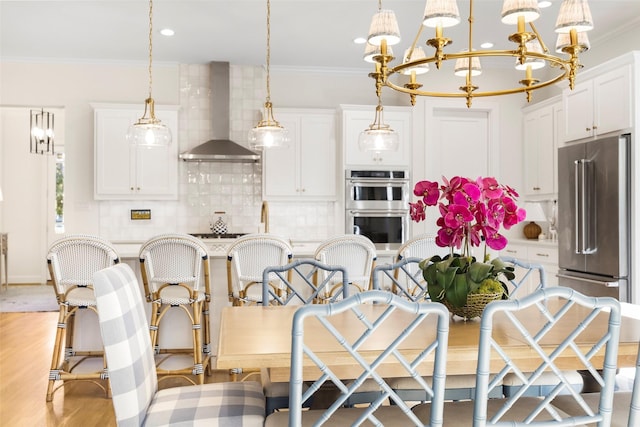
544 3
486 45
167 32
360 40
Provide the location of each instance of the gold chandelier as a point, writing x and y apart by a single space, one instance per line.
530 51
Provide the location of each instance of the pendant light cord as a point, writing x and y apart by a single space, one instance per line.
150 44
268 50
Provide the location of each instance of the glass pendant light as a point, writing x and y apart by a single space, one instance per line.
378 136
268 133
148 130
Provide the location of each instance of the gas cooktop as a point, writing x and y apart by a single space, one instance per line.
217 236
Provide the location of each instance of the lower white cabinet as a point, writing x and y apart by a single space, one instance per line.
356 118
126 172
544 253
307 167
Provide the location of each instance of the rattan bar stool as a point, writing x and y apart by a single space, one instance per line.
175 273
72 261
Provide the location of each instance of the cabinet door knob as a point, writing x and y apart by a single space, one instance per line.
131 188
595 127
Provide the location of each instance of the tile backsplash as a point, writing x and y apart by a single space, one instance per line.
235 188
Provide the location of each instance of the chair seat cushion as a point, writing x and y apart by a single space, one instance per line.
81 297
461 413
178 295
387 415
543 385
216 404
621 405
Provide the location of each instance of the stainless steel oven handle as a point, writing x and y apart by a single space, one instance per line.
369 181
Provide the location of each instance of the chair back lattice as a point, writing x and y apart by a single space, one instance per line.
249 255
634 411
530 277
127 345
301 283
355 252
405 278
423 247
360 324
73 260
563 310
170 259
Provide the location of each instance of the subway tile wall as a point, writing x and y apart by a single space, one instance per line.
205 188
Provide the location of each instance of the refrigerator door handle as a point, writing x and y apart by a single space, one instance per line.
587 219
613 284
576 220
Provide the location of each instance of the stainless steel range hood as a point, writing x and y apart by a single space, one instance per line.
220 148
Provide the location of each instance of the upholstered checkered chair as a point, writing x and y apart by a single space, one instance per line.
354 252
247 258
72 261
132 369
175 273
366 313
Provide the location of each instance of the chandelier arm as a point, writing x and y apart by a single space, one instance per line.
479 94
413 45
542 43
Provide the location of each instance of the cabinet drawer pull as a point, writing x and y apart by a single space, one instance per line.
536 188
544 255
588 129
511 251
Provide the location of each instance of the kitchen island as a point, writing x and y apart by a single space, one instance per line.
178 332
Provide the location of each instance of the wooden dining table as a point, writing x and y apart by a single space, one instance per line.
254 337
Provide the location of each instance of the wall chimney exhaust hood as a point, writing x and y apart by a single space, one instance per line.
220 148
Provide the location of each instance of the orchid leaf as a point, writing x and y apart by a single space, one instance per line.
478 271
458 290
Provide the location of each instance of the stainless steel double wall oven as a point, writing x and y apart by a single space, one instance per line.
377 204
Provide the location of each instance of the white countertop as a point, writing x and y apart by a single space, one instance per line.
218 248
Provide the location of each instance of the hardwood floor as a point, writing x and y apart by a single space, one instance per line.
26 342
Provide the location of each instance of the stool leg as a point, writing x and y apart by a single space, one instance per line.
54 372
198 369
153 324
207 336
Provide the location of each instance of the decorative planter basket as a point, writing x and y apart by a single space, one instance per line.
474 306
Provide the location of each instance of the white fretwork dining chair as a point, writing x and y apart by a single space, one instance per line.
370 316
247 258
132 368
569 314
530 277
356 253
72 261
406 281
626 403
175 274
298 287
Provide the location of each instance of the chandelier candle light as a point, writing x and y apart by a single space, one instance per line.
530 51
41 131
148 130
268 133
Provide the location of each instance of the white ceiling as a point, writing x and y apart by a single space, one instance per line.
304 33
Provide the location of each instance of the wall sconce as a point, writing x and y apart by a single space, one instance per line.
41 131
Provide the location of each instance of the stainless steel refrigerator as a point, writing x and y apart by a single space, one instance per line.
594 217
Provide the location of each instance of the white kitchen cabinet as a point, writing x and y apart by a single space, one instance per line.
543 252
307 167
540 145
599 105
356 118
126 172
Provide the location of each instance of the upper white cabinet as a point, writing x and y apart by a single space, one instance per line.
307 167
599 105
356 118
541 123
127 172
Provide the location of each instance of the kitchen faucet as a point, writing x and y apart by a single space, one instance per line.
264 215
